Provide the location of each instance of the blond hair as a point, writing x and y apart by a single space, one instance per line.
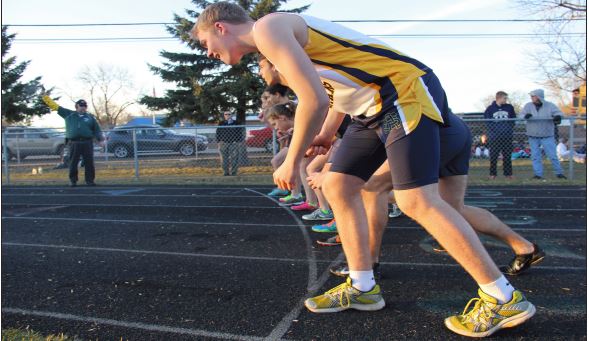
220 11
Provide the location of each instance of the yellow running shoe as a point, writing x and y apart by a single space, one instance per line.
488 316
344 297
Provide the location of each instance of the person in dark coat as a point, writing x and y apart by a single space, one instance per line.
500 133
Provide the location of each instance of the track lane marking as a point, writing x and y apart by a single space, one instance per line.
237 188
172 222
225 195
312 287
129 324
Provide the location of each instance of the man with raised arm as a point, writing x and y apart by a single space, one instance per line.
81 128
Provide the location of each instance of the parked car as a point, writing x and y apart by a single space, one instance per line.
26 141
152 139
260 138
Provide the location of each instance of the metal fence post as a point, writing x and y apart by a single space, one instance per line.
106 147
6 159
274 151
195 143
135 157
571 147
17 149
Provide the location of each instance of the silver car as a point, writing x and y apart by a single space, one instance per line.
24 141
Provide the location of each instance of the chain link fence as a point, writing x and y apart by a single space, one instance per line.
501 148
148 152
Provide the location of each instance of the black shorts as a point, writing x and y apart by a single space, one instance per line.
428 153
334 147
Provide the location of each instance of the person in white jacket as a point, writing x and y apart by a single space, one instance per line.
565 155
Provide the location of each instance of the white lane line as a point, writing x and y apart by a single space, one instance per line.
314 286
308 242
95 195
148 221
537 209
258 207
237 188
225 195
313 282
274 207
155 187
445 265
142 205
172 222
117 192
515 229
284 325
519 197
22 212
128 324
150 252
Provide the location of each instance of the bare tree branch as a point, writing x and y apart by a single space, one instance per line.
573 7
561 58
108 87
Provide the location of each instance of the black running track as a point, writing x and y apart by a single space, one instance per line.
223 262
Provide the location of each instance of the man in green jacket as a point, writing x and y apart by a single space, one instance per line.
80 130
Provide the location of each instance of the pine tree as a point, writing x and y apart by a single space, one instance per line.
206 87
20 101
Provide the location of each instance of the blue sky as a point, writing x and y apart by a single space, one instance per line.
470 69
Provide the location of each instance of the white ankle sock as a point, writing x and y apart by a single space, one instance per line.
501 289
362 280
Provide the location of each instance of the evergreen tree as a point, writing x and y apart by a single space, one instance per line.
20 101
207 87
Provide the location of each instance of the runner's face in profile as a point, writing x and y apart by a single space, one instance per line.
268 72
269 99
281 123
217 42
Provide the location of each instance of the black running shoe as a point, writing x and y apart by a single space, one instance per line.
344 271
521 263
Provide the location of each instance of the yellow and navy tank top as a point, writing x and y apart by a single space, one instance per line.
365 78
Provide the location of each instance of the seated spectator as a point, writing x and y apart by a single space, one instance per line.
565 155
481 152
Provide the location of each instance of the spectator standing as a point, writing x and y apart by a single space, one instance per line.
81 128
541 116
229 136
500 133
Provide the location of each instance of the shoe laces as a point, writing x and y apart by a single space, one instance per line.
479 310
341 291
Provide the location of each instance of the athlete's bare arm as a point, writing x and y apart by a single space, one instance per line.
280 38
322 142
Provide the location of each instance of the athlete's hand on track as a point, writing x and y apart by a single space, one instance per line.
285 176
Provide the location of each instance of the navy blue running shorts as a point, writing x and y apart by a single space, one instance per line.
429 152
333 150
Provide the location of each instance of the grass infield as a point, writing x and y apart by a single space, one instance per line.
30 335
182 173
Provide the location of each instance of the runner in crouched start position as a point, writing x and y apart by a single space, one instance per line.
399 109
